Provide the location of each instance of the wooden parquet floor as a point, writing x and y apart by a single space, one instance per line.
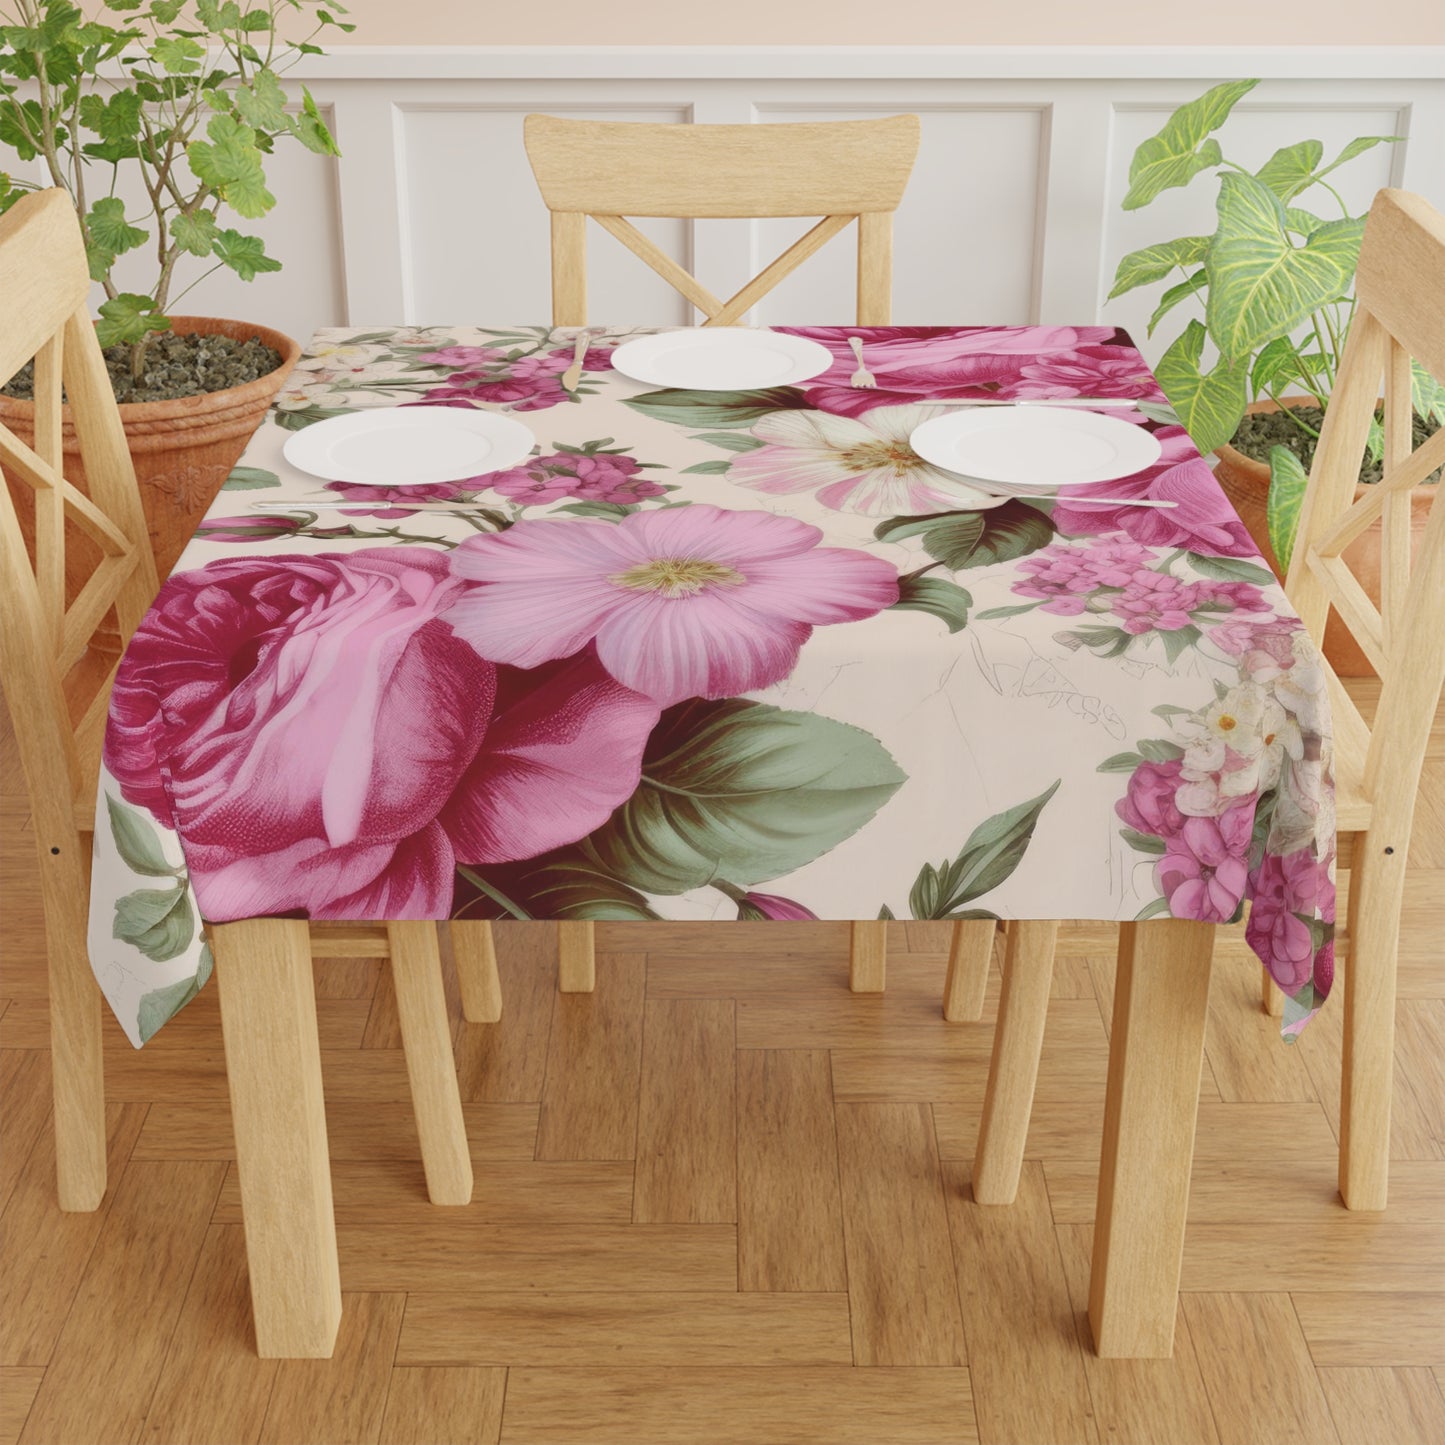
723 1200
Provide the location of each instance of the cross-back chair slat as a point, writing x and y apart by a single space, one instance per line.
843 171
46 283
1400 316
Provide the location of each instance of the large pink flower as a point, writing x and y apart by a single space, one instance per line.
683 602
326 744
919 363
1201 519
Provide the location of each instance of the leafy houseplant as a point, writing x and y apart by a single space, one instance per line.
196 123
181 103
1274 279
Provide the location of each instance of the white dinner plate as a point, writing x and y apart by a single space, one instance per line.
722 358
1056 446
405 446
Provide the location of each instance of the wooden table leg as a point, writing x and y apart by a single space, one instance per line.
476 960
426 1037
969 957
1017 1042
1156 1053
868 957
576 957
273 1068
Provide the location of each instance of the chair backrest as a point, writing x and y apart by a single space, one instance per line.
56 693
1400 315
840 170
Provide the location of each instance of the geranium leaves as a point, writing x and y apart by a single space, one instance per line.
974 539
128 318
230 163
743 791
993 851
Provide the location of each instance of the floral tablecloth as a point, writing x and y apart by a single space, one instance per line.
712 655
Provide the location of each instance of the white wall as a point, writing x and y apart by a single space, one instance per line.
431 215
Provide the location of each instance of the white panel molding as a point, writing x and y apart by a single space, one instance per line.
430 214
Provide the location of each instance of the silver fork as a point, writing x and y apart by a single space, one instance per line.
862 378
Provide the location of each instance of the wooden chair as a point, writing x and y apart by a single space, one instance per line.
1400 315
58 697
843 170
609 170
1400 289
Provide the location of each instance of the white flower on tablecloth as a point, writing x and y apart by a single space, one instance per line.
851 464
340 356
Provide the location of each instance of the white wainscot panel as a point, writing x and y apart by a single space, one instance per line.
476 236
303 233
964 244
1250 136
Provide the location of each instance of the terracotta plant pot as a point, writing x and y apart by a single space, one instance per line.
1246 484
182 449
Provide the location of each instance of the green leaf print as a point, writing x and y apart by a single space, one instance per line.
160 922
937 596
162 1004
249 479
716 408
993 851
974 539
136 841
743 791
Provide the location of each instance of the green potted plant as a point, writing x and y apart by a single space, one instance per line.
1251 380
187 99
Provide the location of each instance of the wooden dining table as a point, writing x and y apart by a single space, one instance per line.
712 655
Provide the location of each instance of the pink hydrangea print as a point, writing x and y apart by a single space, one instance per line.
605 477
683 602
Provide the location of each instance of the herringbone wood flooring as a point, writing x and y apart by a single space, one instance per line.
724 1200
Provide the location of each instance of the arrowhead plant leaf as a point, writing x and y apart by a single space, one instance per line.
1210 404
1180 151
1260 285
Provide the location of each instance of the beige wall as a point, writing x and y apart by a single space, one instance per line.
895 22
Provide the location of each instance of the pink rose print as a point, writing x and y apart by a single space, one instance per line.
1204 871
1203 521
1088 371
917 364
332 747
684 602
757 907
605 477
